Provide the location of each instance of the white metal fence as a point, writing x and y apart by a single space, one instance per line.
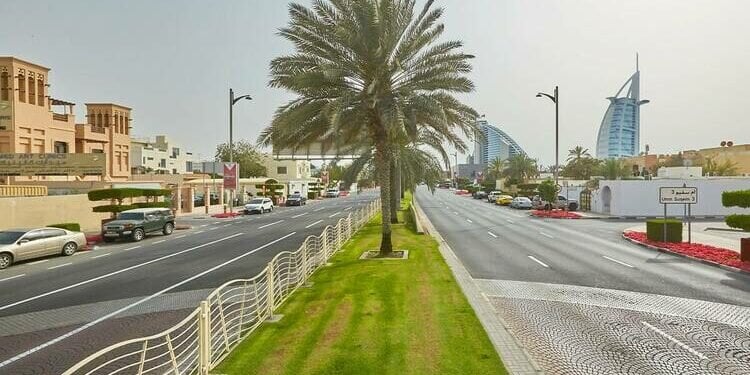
209 333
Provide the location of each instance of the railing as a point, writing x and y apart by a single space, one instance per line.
237 308
60 117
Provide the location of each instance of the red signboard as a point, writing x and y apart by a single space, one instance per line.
231 175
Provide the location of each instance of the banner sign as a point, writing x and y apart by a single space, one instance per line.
52 164
231 175
678 195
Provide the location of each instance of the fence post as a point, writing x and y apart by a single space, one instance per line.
204 338
304 262
269 281
325 245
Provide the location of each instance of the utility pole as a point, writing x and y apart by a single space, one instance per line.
555 99
232 101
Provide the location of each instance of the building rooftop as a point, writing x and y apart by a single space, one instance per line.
109 104
24 62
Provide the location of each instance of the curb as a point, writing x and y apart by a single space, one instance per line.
704 261
514 356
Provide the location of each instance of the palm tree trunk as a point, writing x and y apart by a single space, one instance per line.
382 161
395 189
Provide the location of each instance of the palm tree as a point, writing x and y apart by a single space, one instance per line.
578 153
613 169
495 168
369 72
520 168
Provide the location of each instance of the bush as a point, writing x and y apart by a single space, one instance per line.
655 230
312 194
114 208
740 198
119 194
157 192
152 205
739 222
74 227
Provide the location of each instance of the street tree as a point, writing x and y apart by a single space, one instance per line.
548 192
495 169
519 169
369 72
613 169
246 155
578 153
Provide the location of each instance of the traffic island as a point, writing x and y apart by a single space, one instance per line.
716 256
555 214
373 317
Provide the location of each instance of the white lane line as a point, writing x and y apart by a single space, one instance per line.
674 340
178 237
107 275
317 222
102 255
225 225
59 265
210 229
12 277
320 209
469 220
200 231
146 299
216 222
203 225
132 248
492 234
617 261
546 235
296 216
39 261
455 212
510 221
334 214
156 242
269 224
538 261
348 208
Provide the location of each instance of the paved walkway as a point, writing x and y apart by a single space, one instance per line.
706 233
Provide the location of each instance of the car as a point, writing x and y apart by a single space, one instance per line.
479 194
521 203
332 193
24 244
503 200
492 196
296 200
259 205
136 224
561 203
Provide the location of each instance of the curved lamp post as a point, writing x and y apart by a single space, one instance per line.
555 99
232 102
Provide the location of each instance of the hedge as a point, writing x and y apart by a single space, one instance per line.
114 208
655 230
152 205
74 227
312 195
740 198
122 193
739 222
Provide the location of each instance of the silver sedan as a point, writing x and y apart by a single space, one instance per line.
24 244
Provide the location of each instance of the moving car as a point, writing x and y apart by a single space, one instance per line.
521 203
259 205
296 200
23 244
332 193
503 200
136 224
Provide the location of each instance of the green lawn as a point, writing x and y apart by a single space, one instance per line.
373 317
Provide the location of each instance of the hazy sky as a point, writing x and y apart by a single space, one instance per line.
174 61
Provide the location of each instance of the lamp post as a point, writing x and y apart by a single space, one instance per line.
455 170
232 102
555 99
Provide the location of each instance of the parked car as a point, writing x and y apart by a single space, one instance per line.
332 193
296 200
561 203
480 194
492 196
259 205
521 203
343 193
23 244
136 224
503 200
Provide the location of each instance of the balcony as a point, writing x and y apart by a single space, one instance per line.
92 133
59 117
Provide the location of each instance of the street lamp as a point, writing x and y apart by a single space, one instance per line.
455 170
232 102
555 99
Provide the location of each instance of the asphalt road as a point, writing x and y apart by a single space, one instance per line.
152 281
583 300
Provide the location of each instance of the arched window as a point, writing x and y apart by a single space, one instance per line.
127 125
32 90
99 121
4 89
21 89
40 92
106 120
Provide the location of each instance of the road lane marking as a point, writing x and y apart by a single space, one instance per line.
146 299
317 222
674 340
455 212
39 261
210 229
132 248
469 220
334 214
12 277
178 237
546 235
348 208
59 265
617 261
268 225
102 255
156 242
492 234
538 261
510 221
225 225
107 275
319 209
200 231
296 216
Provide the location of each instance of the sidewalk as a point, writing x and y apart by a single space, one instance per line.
717 238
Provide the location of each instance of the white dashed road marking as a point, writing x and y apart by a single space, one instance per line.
469 220
59 265
538 261
546 235
269 224
132 248
178 237
510 221
334 214
39 261
617 261
160 241
317 222
492 234
102 255
12 277
296 216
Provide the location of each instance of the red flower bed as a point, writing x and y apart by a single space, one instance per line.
225 215
556 214
718 255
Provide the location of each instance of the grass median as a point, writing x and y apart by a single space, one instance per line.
373 317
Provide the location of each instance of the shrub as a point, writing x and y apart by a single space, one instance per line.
312 194
118 194
114 208
655 230
75 227
739 222
740 198
152 205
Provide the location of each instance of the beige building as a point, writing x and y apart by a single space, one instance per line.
33 122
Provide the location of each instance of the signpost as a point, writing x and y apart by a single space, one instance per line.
678 195
231 178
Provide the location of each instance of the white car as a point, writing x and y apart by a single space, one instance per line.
23 244
492 196
521 203
332 193
259 205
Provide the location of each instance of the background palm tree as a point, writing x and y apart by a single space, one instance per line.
495 168
369 72
577 153
520 168
613 169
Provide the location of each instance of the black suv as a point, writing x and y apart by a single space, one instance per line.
135 224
